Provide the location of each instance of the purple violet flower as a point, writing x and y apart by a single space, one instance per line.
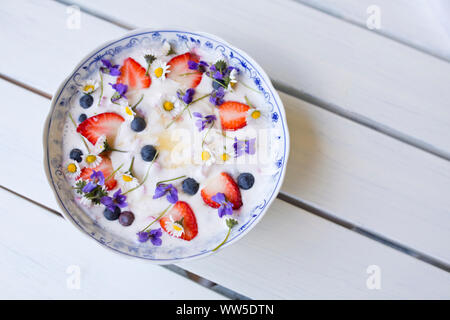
226 207
247 146
97 179
120 89
199 66
216 96
203 122
117 200
218 75
192 65
188 95
162 189
109 68
153 235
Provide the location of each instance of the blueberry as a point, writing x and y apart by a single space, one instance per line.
82 117
190 186
148 152
126 218
112 215
75 154
216 84
245 180
86 101
138 124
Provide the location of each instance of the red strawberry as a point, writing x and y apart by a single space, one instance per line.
179 67
225 184
233 115
106 167
133 75
105 124
182 213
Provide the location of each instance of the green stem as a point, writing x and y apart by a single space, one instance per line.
248 103
146 175
159 217
101 89
137 103
113 173
250 88
131 166
203 141
184 109
224 240
158 183
82 138
189 73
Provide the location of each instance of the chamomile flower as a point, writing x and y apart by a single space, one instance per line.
92 160
161 70
127 181
72 169
166 48
100 145
174 228
171 105
207 156
129 112
233 80
89 86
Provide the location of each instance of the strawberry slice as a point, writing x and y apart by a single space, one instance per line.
181 213
106 167
105 124
225 184
233 115
133 75
179 68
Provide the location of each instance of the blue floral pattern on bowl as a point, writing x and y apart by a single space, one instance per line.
70 87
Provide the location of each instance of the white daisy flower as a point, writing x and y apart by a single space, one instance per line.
125 106
89 86
165 48
208 157
92 160
174 228
161 70
127 181
72 169
99 146
233 80
171 105
86 202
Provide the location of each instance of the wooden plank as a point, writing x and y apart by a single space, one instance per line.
317 260
381 82
336 165
42 256
420 24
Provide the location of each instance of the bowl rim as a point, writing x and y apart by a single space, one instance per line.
136 32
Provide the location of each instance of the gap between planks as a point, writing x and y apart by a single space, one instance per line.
176 269
282 196
316 101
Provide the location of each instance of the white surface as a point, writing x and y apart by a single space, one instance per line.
365 74
341 167
41 256
424 24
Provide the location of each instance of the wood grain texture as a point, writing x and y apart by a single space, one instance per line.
40 254
349 171
358 72
420 24
315 246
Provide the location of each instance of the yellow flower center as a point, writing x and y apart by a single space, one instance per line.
256 114
205 155
91 158
72 168
168 106
88 88
159 72
128 111
127 178
233 84
177 227
225 157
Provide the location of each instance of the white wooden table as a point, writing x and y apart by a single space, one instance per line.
368 181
